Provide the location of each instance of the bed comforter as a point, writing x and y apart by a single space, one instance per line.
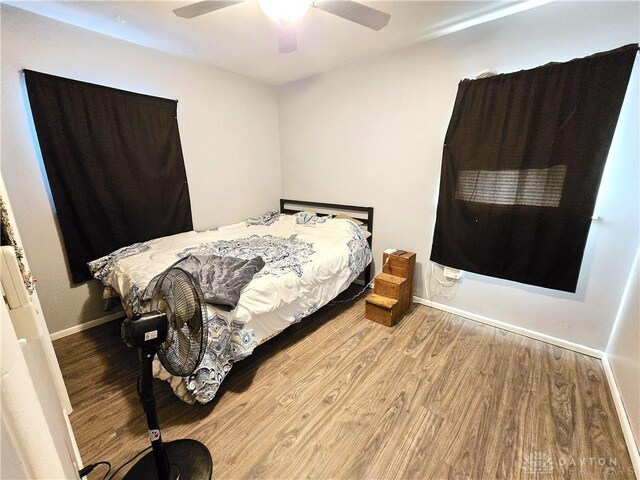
309 260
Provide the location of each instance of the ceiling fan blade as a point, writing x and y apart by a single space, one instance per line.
287 40
355 12
200 8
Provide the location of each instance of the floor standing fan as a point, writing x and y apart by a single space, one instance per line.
175 328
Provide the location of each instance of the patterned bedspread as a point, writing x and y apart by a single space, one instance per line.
308 261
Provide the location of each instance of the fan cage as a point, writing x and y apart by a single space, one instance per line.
178 295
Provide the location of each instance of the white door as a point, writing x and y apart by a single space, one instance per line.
35 403
34 433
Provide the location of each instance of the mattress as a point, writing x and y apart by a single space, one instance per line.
309 260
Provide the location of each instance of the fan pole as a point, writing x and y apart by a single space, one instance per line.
145 391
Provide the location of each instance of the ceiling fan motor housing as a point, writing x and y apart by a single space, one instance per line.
145 331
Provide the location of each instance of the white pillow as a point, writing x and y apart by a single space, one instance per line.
344 216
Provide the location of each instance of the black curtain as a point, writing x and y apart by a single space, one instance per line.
522 162
114 163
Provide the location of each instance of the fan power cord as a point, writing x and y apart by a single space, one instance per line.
89 468
128 462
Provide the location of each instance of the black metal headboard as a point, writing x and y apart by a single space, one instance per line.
364 214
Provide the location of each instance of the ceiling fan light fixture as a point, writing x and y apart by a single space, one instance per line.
285 12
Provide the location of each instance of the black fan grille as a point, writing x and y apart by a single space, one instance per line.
178 295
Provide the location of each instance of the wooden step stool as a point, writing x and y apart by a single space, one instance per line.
393 289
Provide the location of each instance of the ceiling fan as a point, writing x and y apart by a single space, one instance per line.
286 12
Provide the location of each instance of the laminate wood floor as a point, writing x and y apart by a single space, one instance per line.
341 397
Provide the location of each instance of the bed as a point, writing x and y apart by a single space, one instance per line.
310 255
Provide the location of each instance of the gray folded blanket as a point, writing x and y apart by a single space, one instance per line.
221 279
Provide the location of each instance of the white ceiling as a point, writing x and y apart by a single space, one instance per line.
243 40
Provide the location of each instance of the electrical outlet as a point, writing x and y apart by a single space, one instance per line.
452 273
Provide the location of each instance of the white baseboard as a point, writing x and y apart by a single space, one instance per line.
592 352
86 325
629 439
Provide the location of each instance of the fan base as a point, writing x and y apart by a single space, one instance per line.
191 457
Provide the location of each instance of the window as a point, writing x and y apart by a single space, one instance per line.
114 164
522 162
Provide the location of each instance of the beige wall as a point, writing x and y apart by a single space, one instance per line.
228 127
371 133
